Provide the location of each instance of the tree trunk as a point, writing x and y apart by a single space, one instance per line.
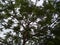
24 42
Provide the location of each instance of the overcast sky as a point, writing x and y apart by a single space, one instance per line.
39 3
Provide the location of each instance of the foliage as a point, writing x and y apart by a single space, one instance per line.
37 25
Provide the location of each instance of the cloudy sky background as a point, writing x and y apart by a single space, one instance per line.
39 3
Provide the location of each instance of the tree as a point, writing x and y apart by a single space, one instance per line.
31 24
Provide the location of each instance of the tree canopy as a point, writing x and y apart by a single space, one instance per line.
30 24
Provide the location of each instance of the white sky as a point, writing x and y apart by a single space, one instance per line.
5 31
39 3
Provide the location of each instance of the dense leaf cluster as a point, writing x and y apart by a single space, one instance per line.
30 24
